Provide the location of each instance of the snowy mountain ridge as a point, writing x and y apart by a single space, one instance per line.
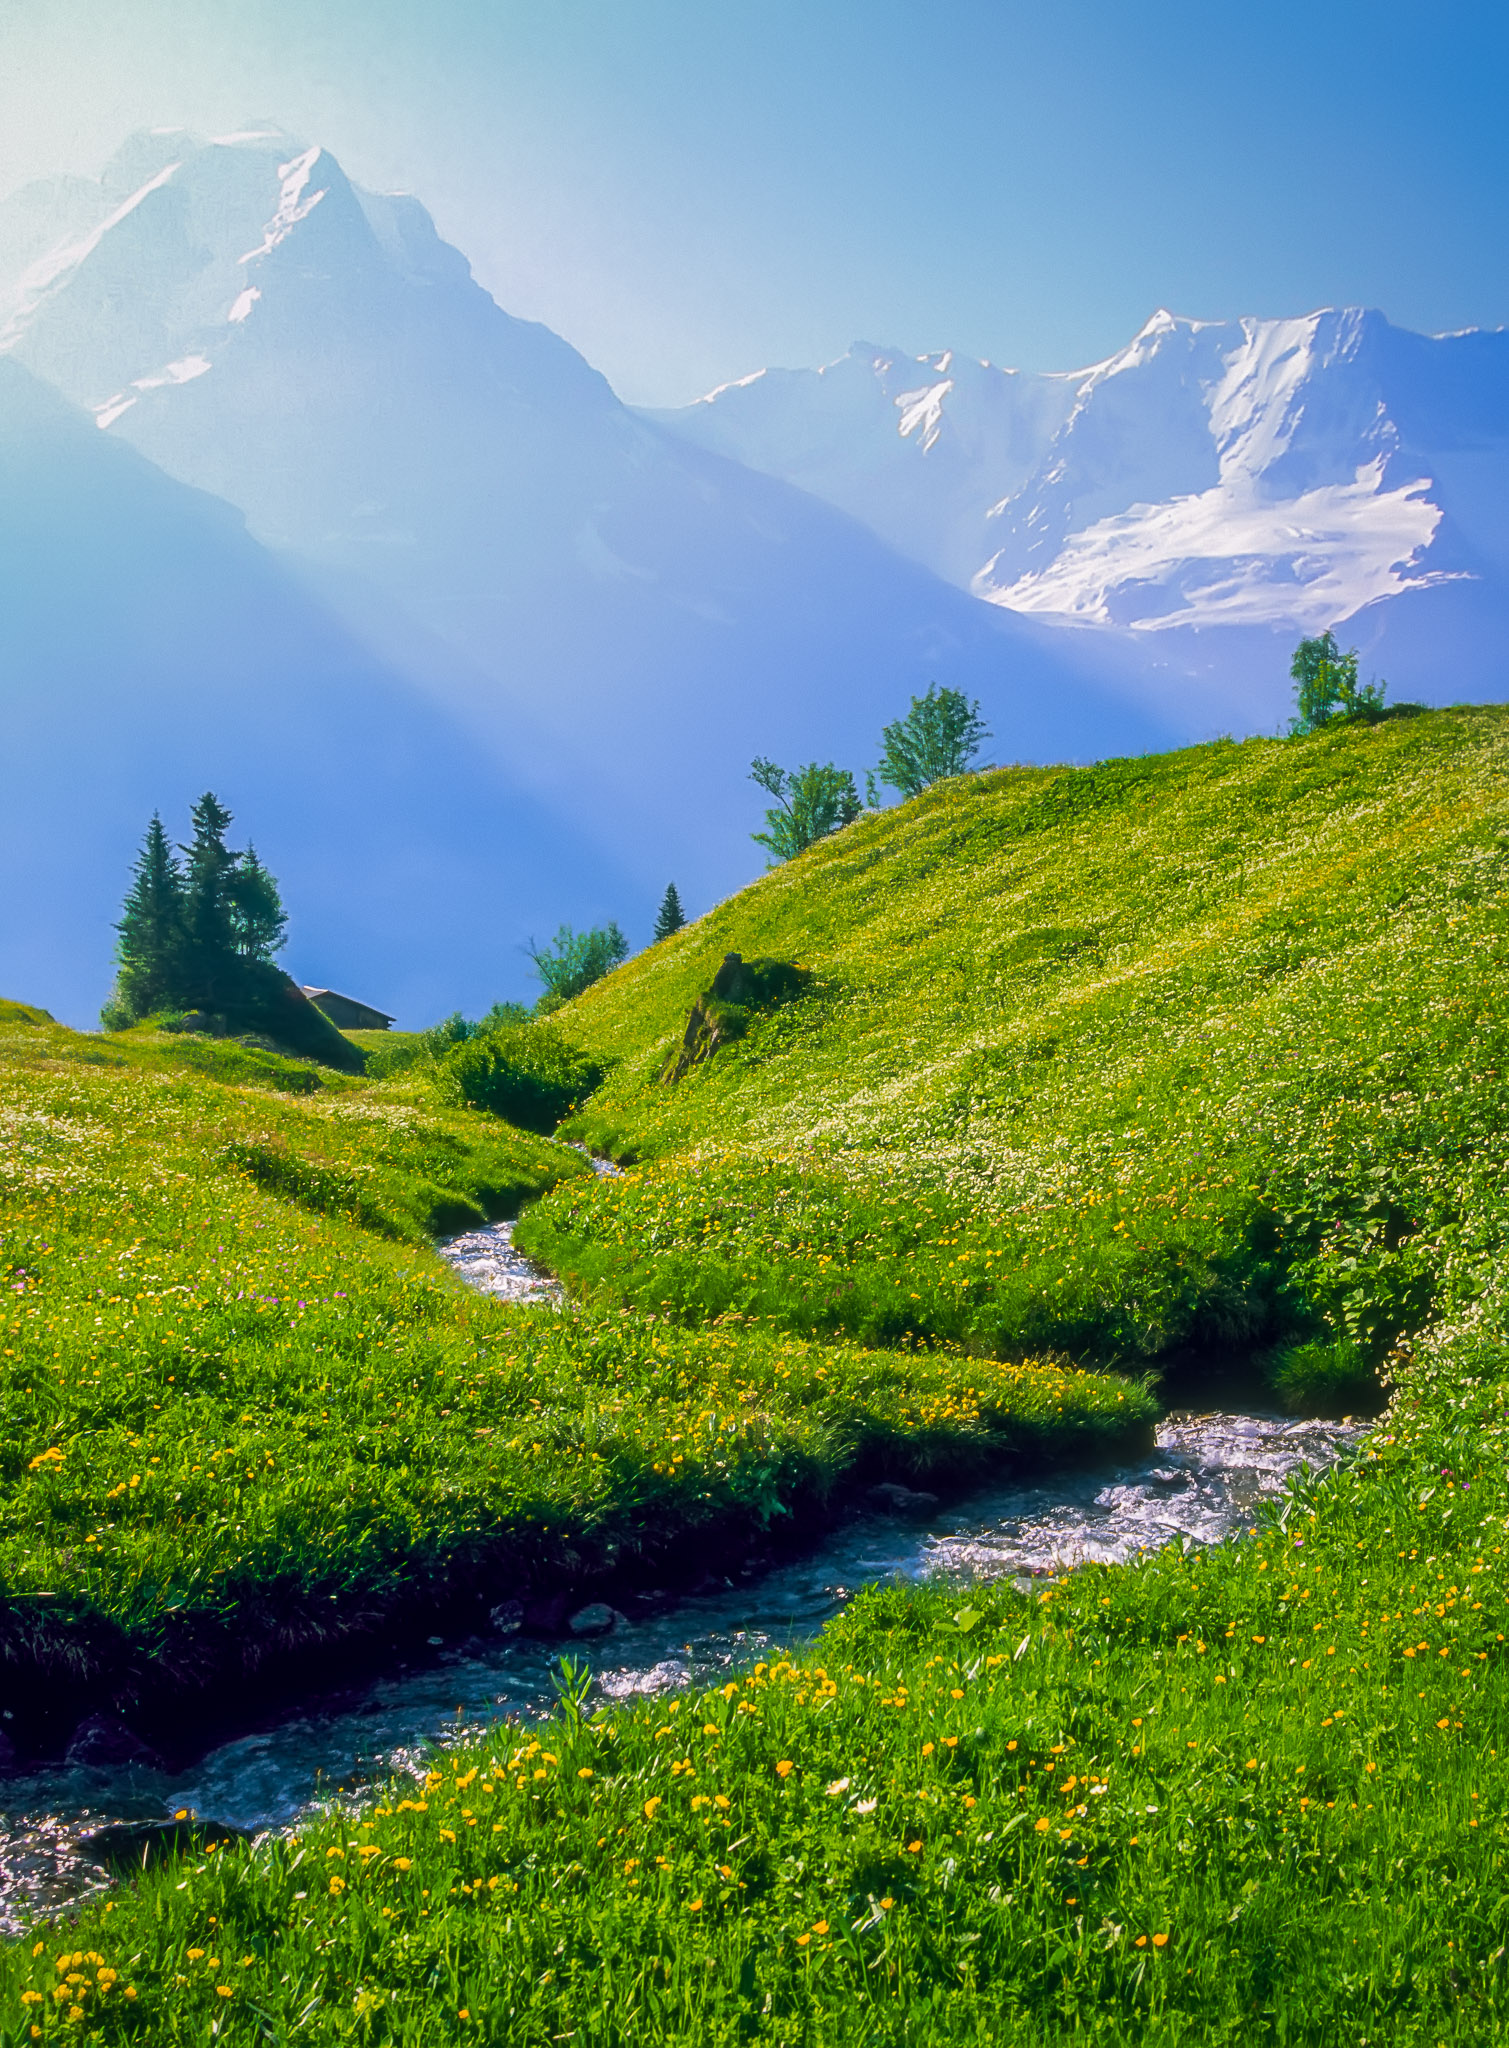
1282 473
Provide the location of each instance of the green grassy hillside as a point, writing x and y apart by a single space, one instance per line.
1160 1058
1177 1053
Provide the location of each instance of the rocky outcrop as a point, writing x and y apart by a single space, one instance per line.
722 1013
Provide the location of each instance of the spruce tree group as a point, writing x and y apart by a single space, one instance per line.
200 932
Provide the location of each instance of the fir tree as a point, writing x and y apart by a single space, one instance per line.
151 946
670 917
211 952
259 922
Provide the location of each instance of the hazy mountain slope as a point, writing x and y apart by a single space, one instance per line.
1244 481
148 649
625 617
919 447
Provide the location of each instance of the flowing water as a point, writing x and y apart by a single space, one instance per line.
1202 1481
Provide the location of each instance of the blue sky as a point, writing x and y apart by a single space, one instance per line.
689 189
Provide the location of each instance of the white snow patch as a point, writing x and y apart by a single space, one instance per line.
184 371
923 409
1227 557
292 206
107 414
244 303
49 270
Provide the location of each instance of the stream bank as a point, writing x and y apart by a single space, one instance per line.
1203 1480
473 1659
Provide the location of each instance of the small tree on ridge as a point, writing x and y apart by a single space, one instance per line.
811 802
573 960
670 917
940 735
1326 689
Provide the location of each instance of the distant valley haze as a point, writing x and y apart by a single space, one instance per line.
291 506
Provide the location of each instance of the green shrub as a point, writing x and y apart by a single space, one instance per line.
525 1073
1326 689
1324 1379
573 960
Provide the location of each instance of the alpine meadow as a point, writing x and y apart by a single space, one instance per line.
972 1137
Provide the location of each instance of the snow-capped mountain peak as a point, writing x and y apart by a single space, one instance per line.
1252 472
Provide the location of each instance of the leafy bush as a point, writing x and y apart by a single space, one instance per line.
1326 689
525 1073
574 960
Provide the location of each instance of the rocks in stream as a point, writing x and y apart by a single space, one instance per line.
103 1743
596 1619
891 1498
507 1618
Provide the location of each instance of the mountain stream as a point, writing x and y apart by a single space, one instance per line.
1201 1482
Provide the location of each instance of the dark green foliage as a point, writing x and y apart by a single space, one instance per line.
1326 689
670 917
758 984
193 935
940 735
573 960
811 803
211 954
525 1073
197 941
151 928
1325 1379
258 921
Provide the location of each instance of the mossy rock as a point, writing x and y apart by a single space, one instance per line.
722 1014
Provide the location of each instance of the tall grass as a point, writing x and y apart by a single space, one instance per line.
1164 1057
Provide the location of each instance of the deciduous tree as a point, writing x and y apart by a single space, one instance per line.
811 802
940 735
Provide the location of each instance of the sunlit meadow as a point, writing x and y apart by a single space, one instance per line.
1171 1062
